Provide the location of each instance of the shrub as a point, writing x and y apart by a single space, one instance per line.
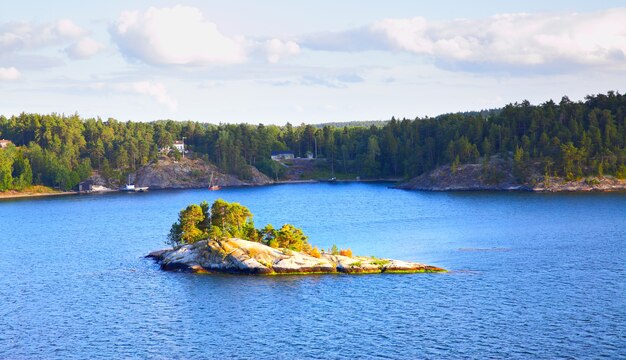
346 252
315 252
290 237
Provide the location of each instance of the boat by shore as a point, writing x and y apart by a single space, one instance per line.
133 188
213 186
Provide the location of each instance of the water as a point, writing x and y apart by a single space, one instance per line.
533 276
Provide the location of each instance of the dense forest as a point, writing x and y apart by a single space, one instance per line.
570 139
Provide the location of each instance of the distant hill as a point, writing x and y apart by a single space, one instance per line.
365 123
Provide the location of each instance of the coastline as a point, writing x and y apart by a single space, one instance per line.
18 195
315 181
401 186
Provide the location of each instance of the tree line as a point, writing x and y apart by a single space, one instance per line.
571 139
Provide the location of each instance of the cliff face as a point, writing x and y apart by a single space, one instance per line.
236 256
498 175
191 173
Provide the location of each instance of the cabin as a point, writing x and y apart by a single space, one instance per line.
85 186
309 155
5 143
282 155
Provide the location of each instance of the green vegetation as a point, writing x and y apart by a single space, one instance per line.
228 220
571 139
15 169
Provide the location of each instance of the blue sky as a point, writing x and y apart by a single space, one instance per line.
277 61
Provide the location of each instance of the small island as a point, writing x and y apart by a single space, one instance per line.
222 239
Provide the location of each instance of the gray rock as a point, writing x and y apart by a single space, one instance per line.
192 173
237 256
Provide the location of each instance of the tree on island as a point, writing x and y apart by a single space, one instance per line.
191 225
223 220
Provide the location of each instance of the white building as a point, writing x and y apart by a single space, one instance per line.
282 155
180 146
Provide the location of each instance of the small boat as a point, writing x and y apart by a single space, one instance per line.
332 179
128 187
212 186
132 188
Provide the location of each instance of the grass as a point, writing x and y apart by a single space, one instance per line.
33 190
380 262
40 189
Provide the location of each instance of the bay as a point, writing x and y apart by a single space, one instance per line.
531 276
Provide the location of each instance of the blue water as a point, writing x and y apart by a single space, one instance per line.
532 276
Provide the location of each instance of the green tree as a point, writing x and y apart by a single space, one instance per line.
230 218
189 227
292 238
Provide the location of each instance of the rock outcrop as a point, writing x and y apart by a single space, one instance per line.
192 173
236 256
498 175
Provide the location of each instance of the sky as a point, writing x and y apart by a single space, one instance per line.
278 61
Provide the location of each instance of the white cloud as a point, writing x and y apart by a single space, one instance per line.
155 90
276 49
181 35
175 36
9 73
84 48
66 28
22 35
555 42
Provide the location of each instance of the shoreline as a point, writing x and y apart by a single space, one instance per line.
28 195
36 195
316 181
517 190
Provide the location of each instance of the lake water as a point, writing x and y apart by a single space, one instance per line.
532 276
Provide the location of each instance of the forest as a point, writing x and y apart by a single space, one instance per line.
571 139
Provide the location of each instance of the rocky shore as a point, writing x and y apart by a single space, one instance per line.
498 176
236 256
192 173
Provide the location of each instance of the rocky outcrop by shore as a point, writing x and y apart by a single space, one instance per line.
167 173
498 175
237 256
466 177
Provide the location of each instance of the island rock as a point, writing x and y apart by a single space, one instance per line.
237 256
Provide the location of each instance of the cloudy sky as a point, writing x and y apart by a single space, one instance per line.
275 61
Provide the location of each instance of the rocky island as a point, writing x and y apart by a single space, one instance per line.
237 256
222 239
